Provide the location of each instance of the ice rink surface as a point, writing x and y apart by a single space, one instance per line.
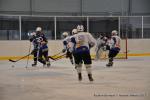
127 80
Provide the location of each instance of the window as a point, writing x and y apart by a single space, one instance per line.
146 27
102 25
9 28
29 25
131 27
66 24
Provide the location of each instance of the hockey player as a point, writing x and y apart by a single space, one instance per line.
67 46
84 41
113 47
101 46
73 43
40 48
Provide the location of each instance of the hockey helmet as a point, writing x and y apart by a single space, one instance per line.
114 32
65 34
74 31
80 28
38 29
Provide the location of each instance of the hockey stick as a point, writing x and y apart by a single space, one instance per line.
59 57
28 56
56 54
38 52
19 58
51 57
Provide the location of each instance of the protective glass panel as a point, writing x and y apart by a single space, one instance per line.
29 25
66 24
9 28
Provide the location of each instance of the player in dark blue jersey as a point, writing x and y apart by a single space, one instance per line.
40 48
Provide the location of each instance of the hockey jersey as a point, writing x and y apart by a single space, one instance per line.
84 39
115 42
67 43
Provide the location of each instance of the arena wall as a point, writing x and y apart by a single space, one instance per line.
136 47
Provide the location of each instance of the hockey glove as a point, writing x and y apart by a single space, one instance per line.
64 50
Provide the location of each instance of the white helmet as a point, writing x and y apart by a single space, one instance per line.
38 29
80 28
65 34
114 32
74 31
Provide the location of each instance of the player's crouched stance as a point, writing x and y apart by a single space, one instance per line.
67 46
82 51
113 47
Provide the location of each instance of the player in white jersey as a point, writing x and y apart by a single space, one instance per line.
67 46
73 43
114 47
100 46
83 42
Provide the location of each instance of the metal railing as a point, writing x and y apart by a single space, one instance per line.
16 27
